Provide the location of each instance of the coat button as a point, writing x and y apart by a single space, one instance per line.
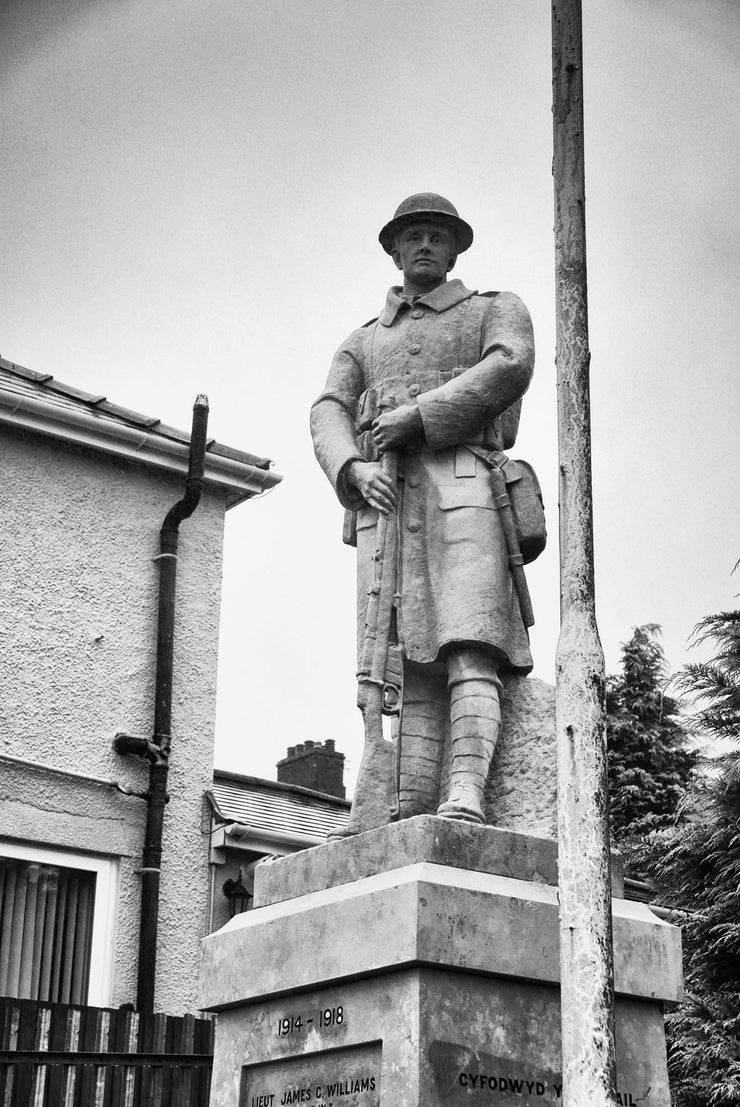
417 314
415 348
414 390
414 527
412 482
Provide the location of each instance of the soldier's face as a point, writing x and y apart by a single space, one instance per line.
425 252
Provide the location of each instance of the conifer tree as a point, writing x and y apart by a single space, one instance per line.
696 868
715 685
650 758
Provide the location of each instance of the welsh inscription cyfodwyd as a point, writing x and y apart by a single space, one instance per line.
347 1077
526 1088
462 1075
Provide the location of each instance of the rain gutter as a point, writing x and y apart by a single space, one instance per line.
236 833
239 479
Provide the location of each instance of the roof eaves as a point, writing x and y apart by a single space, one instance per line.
100 425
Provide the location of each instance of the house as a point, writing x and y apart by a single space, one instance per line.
253 819
86 486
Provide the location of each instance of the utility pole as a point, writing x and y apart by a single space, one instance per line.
586 959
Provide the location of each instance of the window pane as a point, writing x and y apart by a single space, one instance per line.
46 915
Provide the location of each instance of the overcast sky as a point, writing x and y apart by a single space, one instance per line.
190 199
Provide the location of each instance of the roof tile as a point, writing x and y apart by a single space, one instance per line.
268 805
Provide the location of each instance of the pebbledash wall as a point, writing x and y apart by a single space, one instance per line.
80 514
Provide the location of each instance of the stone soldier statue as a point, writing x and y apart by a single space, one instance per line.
442 371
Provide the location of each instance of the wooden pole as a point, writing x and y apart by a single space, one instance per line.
586 961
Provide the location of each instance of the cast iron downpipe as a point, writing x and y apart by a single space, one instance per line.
157 750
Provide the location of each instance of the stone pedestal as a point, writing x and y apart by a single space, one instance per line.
418 965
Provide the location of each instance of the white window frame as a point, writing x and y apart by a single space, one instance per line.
104 910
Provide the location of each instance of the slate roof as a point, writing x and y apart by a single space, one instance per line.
24 382
40 402
275 807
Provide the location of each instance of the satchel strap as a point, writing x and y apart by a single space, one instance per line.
494 459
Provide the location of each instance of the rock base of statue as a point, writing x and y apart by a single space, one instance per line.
417 964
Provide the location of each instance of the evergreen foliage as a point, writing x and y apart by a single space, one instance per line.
716 684
696 869
650 758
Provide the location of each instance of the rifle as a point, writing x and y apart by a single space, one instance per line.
375 696
375 802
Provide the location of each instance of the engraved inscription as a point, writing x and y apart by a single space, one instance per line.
522 1085
346 1077
303 1021
462 1075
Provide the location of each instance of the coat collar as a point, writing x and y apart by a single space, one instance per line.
441 298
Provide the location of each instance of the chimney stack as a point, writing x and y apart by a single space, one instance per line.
314 765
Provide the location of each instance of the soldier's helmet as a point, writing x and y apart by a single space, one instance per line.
426 207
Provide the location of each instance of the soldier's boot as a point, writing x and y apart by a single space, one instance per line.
475 717
422 744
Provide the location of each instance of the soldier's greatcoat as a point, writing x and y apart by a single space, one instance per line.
466 360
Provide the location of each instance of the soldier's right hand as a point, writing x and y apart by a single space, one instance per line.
375 486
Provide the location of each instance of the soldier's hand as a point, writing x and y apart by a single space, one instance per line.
394 428
375 486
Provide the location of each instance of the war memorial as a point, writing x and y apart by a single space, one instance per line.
467 940
416 959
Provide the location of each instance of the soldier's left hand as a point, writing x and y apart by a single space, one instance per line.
393 428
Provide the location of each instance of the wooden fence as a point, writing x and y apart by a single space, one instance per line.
56 1055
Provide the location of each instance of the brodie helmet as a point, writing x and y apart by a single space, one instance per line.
426 207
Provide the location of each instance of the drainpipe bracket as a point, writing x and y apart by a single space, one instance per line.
164 796
129 745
